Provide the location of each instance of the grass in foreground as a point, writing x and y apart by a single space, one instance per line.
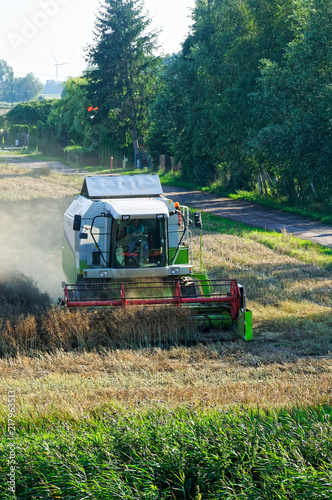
176 454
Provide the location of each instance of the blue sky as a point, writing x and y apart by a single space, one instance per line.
31 31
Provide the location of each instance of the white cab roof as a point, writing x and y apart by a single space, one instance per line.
120 186
136 207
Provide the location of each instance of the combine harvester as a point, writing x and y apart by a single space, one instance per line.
127 244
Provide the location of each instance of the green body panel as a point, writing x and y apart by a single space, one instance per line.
182 258
243 325
248 325
83 265
69 262
205 287
214 321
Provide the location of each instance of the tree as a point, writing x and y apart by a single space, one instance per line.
204 94
18 89
6 73
29 113
294 101
168 110
52 87
122 69
70 117
26 88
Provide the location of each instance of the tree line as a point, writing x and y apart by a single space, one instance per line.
247 100
17 89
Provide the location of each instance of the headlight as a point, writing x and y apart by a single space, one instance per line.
103 274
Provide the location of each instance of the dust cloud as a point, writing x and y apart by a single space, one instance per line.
19 295
30 248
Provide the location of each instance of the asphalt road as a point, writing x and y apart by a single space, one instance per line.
253 214
238 210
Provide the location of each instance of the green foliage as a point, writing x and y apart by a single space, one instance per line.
108 108
6 73
17 89
183 453
204 91
70 118
15 132
68 122
248 100
29 113
108 147
26 88
30 117
293 102
121 77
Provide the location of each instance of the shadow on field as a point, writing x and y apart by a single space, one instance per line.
291 304
272 284
39 172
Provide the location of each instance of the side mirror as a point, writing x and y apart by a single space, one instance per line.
77 222
198 220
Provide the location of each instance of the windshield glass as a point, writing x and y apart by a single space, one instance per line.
138 243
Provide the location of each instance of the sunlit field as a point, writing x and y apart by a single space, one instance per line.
141 404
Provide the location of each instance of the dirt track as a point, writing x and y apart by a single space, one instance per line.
27 163
238 210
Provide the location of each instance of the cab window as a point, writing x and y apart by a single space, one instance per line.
138 243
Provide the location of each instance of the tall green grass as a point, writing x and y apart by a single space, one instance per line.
183 454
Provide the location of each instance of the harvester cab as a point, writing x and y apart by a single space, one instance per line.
125 244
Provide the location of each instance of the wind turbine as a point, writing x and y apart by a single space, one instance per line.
57 66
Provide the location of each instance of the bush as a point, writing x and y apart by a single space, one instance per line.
30 113
80 155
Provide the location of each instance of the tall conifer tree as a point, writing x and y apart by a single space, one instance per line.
122 66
